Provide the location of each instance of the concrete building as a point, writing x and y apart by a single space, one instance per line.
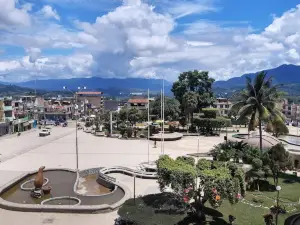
88 101
57 109
290 110
8 109
223 104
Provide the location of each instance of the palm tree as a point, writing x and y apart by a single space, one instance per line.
259 101
190 102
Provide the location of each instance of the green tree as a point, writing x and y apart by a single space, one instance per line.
201 183
190 103
257 170
278 160
194 81
123 115
133 116
172 108
259 101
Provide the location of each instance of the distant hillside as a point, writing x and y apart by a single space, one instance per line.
284 74
12 90
94 83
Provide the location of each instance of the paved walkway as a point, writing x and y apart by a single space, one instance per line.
28 152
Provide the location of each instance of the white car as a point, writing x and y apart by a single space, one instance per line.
44 132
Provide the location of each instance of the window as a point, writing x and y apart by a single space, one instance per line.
289 113
289 108
221 106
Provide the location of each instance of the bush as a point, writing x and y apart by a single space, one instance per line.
204 164
210 112
122 128
257 164
129 132
187 159
209 126
172 128
250 153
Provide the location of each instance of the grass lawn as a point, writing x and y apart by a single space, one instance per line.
245 214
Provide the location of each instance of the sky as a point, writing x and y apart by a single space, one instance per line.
55 39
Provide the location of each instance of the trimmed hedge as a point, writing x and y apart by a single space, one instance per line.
210 112
211 126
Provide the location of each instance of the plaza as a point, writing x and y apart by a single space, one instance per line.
28 152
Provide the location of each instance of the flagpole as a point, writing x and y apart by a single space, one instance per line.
148 126
163 110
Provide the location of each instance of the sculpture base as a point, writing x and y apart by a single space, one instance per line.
36 193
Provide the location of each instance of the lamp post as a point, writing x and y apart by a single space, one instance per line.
76 119
278 188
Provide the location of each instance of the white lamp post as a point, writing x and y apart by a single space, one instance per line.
76 114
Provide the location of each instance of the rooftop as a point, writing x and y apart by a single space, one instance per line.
138 100
90 93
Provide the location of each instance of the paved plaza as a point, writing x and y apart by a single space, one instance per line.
28 152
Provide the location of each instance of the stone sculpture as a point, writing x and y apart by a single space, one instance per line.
38 184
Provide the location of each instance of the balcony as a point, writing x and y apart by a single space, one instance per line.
8 108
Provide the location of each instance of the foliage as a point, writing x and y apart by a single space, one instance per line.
209 126
278 160
190 103
122 128
172 108
123 114
234 150
129 132
204 164
210 112
218 183
259 102
194 81
133 116
277 127
186 159
250 153
172 128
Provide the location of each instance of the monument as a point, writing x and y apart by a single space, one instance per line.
38 184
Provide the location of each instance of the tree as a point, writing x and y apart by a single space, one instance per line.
133 116
278 160
257 170
190 103
194 81
172 108
259 101
123 114
205 182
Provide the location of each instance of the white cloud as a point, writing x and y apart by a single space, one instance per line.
49 12
11 16
136 40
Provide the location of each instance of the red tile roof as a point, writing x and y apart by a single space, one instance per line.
138 100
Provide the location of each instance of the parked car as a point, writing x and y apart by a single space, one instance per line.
44 132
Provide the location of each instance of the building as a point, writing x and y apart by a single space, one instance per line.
223 104
89 101
8 109
138 103
57 110
290 110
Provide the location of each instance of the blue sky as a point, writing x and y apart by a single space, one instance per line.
150 38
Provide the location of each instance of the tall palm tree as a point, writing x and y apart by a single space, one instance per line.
259 101
190 102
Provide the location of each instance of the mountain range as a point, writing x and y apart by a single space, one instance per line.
288 75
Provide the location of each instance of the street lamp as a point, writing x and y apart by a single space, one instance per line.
76 119
278 188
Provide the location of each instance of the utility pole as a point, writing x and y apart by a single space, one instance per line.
163 110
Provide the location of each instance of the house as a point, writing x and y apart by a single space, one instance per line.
88 101
138 103
223 104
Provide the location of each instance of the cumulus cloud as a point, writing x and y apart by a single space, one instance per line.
11 16
137 40
49 12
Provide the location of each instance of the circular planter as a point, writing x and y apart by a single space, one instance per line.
46 181
64 200
46 190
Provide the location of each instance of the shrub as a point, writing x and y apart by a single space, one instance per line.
172 128
122 128
204 164
129 132
257 164
250 153
209 126
187 159
210 112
